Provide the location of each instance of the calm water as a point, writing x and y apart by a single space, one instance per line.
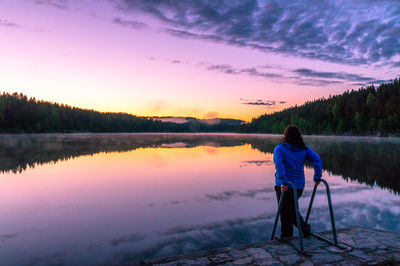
109 198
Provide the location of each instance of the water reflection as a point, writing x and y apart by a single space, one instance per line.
110 198
366 160
19 152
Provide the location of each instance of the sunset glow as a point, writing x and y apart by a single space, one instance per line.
195 58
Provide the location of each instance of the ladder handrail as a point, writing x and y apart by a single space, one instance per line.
328 193
296 204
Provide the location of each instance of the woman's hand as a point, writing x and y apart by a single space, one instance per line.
283 188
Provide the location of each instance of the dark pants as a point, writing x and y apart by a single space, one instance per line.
288 212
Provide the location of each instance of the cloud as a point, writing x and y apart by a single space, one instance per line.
268 193
59 4
232 194
258 162
252 71
6 237
332 75
225 68
172 61
7 23
304 76
261 102
212 114
130 23
268 103
315 82
233 232
189 238
358 84
345 32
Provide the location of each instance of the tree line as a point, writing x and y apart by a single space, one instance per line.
20 114
367 111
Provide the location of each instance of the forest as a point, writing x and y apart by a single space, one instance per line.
367 111
20 114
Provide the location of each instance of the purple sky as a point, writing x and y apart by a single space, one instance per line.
196 58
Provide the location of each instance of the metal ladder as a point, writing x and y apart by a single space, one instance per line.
296 204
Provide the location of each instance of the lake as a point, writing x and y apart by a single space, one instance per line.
80 199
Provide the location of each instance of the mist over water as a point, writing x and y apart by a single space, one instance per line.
110 198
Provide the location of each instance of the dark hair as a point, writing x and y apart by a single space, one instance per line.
292 135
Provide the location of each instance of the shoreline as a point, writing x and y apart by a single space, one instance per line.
395 136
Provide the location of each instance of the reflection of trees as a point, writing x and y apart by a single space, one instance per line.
18 152
366 160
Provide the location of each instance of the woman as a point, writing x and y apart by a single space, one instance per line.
289 159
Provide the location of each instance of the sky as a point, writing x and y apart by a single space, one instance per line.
198 58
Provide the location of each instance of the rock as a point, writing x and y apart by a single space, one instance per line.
307 263
262 257
396 257
258 253
243 261
201 261
361 255
184 262
290 259
367 244
325 258
349 263
281 249
346 238
372 247
335 249
221 258
271 262
381 260
237 254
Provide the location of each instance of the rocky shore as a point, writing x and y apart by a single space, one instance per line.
367 247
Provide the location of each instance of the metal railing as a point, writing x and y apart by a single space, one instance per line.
296 204
328 194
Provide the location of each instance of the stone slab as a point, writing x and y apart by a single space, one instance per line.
368 247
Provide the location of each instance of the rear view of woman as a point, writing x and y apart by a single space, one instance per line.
289 158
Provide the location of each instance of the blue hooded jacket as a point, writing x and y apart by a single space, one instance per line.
289 164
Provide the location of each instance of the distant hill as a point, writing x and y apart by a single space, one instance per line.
211 121
367 111
203 125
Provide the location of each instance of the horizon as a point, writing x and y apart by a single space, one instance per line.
199 118
197 59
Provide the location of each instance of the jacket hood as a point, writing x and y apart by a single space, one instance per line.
291 147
